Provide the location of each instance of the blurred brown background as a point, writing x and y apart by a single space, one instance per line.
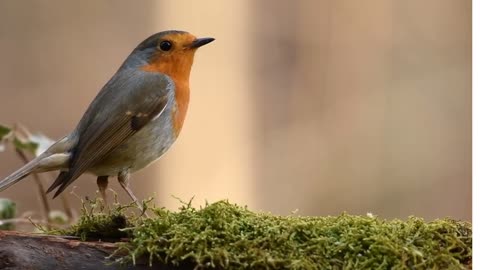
321 106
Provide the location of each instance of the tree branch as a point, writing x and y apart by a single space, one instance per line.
35 251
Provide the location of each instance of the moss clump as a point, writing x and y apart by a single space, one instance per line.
223 235
98 223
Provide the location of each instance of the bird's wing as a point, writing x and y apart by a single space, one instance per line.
129 101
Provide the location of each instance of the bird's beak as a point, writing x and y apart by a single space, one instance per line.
199 42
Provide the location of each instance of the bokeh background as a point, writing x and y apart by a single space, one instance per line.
321 106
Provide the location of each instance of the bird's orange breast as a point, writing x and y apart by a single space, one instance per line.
182 98
178 68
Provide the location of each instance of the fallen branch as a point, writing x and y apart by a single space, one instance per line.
34 251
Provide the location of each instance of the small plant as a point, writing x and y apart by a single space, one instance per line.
98 222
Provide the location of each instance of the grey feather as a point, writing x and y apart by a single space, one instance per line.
144 95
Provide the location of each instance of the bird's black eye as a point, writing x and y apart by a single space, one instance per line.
165 46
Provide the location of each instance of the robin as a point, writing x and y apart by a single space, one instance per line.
133 120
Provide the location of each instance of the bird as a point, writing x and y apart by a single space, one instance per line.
134 119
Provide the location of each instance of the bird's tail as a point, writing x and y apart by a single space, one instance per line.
44 162
19 174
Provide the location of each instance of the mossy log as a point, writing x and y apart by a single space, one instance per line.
227 236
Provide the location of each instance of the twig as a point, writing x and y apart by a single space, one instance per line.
41 190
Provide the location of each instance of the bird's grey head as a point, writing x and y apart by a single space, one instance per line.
164 44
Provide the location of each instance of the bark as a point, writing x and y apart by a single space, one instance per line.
34 251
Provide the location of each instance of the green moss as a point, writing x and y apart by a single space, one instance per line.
96 222
224 235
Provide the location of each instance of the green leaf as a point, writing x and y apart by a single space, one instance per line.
7 211
25 145
4 131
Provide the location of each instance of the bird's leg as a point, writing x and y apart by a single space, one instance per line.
123 179
102 183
